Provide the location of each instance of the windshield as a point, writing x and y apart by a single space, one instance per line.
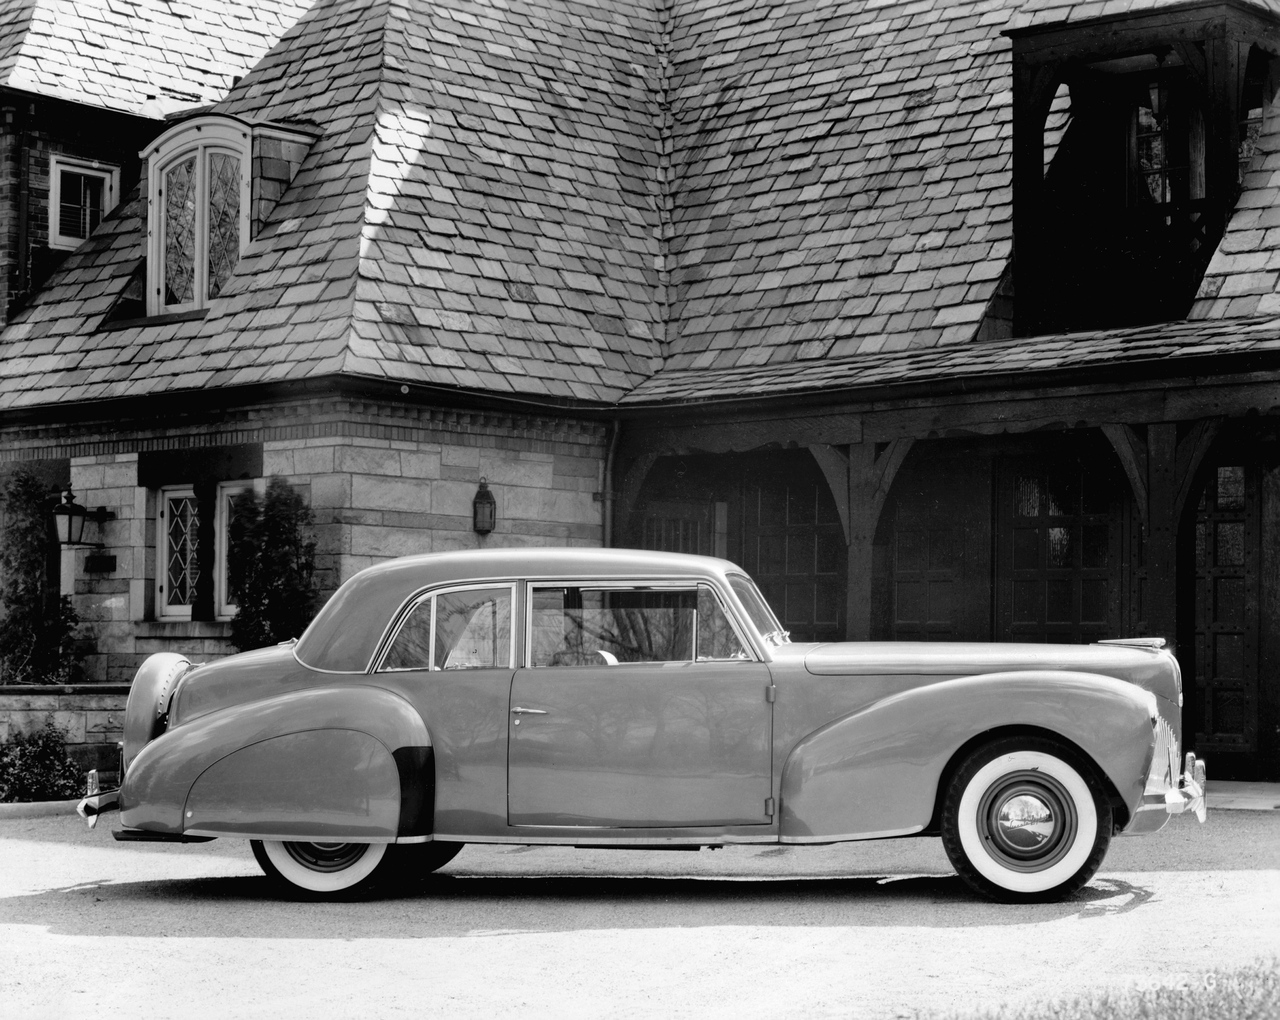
758 609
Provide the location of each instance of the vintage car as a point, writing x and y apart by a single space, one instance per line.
617 698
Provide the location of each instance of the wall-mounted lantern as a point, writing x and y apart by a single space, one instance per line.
69 517
484 510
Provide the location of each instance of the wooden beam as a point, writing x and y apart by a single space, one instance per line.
1131 448
1191 453
834 463
872 469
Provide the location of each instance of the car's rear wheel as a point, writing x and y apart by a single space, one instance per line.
321 869
1024 819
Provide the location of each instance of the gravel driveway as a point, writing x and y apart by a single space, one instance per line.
89 927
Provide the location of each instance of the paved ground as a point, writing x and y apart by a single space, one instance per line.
89 927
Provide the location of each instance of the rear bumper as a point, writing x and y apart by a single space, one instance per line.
90 807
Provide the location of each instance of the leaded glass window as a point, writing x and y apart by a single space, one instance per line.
199 208
180 233
224 218
179 551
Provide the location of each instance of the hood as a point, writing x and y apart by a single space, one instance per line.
1138 661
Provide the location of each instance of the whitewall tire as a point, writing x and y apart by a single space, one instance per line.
1025 819
320 868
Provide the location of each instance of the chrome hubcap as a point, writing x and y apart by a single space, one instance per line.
1027 821
326 856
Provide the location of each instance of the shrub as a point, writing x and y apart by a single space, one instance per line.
36 767
271 566
37 625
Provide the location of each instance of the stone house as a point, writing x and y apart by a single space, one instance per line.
730 278
83 88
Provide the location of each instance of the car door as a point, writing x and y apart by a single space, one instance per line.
638 705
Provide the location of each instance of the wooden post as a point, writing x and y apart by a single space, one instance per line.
872 468
1162 531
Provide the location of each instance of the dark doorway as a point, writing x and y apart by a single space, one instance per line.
772 512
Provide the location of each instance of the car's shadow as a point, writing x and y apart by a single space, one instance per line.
469 905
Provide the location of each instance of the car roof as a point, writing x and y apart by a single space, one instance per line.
345 633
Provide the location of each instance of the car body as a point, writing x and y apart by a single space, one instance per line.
619 698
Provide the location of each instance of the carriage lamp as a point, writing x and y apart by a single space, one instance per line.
484 509
69 517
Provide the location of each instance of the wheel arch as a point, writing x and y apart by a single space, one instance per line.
1120 810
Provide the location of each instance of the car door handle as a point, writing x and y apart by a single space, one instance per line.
528 711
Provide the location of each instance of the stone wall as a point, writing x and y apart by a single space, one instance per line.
382 480
93 717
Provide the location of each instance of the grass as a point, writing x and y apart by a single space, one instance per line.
1247 993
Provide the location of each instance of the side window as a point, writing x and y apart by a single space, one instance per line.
574 626
80 194
455 630
716 637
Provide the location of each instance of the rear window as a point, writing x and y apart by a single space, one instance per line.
344 635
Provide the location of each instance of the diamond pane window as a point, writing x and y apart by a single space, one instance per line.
199 209
224 218
179 550
180 233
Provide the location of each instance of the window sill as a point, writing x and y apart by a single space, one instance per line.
183 628
153 320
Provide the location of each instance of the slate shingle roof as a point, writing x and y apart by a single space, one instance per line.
469 217
1243 277
843 177
1177 341
615 201
112 54
1041 13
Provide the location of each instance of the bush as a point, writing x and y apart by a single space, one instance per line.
36 767
37 625
271 566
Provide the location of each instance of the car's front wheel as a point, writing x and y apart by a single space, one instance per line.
321 869
1024 819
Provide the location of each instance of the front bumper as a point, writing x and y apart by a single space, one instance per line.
1188 795
1169 793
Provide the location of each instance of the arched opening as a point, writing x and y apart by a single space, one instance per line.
772 512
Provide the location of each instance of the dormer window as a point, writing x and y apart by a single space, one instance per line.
198 222
1165 112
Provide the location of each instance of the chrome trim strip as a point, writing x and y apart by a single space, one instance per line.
848 837
402 617
292 837
600 837
746 635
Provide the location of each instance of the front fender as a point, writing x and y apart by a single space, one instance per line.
876 772
349 762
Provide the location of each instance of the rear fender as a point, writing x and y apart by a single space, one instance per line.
341 762
877 772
